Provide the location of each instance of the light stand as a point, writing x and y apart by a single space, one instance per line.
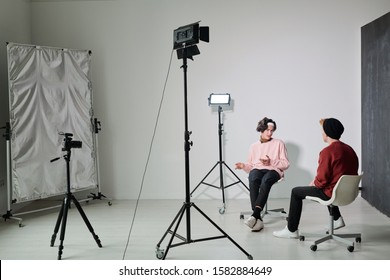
69 197
185 53
93 196
221 162
9 215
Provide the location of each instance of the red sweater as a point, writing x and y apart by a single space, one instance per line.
335 160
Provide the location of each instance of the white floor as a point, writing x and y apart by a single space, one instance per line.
130 233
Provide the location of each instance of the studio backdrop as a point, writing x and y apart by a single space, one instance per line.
50 93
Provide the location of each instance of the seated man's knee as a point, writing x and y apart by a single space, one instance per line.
294 191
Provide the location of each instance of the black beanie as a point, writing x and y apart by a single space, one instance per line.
333 128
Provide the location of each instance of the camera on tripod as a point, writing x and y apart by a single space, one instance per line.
69 144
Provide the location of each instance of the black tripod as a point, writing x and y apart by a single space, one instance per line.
220 163
69 197
186 208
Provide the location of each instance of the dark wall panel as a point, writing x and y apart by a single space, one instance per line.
375 41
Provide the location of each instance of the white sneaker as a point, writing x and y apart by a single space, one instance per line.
285 233
250 222
258 226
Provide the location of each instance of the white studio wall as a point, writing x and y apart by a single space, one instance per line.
293 61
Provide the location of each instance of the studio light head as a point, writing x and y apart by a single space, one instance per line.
219 99
186 37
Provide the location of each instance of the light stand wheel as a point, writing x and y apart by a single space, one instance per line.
160 254
358 239
222 210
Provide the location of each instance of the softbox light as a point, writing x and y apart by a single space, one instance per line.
219 99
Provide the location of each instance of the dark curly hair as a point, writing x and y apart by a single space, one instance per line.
263 124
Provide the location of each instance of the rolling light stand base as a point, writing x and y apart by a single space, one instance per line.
161 254
62 218
99 196
9 216
221 186
220 164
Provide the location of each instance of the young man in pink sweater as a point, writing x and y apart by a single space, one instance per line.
266 164
335 160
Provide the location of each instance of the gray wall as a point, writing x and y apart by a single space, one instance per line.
375 113
294 61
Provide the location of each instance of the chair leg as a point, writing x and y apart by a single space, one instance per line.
331 235
242 214
276 212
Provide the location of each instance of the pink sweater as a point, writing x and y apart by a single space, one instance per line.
275 149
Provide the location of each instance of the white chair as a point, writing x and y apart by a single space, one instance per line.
280 212
344 193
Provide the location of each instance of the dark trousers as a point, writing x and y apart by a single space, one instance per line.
298 194
260 183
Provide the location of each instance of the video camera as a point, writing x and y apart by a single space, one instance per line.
68 143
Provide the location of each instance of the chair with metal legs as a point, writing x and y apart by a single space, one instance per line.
344 193
280 212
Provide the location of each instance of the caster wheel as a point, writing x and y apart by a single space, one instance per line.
222 210
241 217
250 257
313 248
302 238
109 203
350 248
358 239
284 212
160 254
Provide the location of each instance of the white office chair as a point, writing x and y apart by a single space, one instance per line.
276 212
344 193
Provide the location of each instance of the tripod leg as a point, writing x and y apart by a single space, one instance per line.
235 175
57 226
204 178
64 211
78 206
160 254
222 186
225 234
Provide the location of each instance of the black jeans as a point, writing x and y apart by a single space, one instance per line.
260 183
298 194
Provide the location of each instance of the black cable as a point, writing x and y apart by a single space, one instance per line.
148 158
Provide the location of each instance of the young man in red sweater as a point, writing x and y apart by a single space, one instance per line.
335 160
